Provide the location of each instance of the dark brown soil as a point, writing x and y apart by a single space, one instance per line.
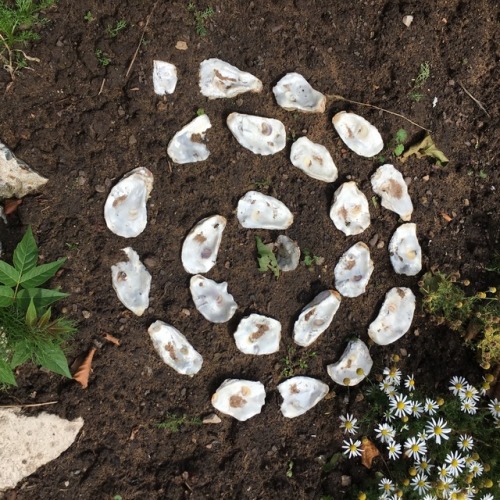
84 126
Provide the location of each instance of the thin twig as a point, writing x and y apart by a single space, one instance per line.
140 40
102 86
474 99
340 98
31 405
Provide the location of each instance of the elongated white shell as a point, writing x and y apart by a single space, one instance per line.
164 77
174 349
125 208
132 281
316 317
260 211
358 134
262 136
353 366
300 394
187 145
389 184
200 248
313 159
220 79
287 253
293 92
353 271
394 318
405 251
257 334
241 399
350 211
212 299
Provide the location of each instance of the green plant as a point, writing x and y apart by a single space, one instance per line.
310 259
17 21
262 183
102 58
398 142
266 258
27 329
88 16
289 470
114 30
292 363
200 112
200 17
424 74
174 422
425 148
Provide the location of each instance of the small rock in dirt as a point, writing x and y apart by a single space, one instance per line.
212 419
59 42
416 332
346 481
100 188
132 141
151 262
121 111
86 314
425 178
359 397
466 202
373 240
181 45
407 20
403 352
451 83
380 244
81 181
186 312
407 181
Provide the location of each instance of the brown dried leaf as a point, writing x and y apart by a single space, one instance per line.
368 453
83 373
10 206
111 339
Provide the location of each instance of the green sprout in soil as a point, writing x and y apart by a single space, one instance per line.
174 422
17 21
424 74
289 470
114 30
292 363
88 17
28 330
200 17
395 147
266 258
200 112
262 183
310 259
102 58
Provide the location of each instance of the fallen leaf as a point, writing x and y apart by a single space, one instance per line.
180 45
368 453
10 206
111 339
425 147
446 217
83 373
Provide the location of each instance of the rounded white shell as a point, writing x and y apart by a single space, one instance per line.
241 399
316 317
350 211
389 184
200 248
358 134
260 211
131 282
164 77
257 334
394 318
353 366
353 270
293 92
125 208
287 253
174 349
300 394
220 79
187 145
313 159
262 136
405 251
212 299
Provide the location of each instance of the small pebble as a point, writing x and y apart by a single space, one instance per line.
346 481
403 352
100 188
227 264
380 244
212 419
186 312
416 332
81 181
181 45
425 178
466 202
407 20
121 111
86 314
151 262
132 141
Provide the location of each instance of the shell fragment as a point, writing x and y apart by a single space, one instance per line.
187 145
350 211
287 254
313 159
300 394
293 92
164 77
259 211
257 334
405 251
353 270
353 366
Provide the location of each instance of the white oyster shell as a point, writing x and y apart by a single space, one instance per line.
389 184
316 317
300 394
262 136
187 145
350 211
353 270
287 253
212 299
313 159
125 208
260 211
293 92
220 79
200 248
257 334
353 366
405 251
131 282
174 349
164 77
358 134
241 399
394 318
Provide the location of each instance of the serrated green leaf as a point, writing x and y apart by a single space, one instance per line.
40 274
6 374
26 253
398 150
42 297
8 274
53 358
22 353
31 316
266 258
6 295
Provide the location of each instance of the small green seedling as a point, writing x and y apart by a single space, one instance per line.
289 470
88 17
200 18
424 74
399 141
310 259
200 112
102 58
114 30
262 183
174 422
291 363
266 258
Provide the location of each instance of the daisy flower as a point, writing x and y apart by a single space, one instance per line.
400 405
416 409
457 385
465 442
430 406
469 393
385 433
352 448
494 407
488 496
443 471
386 485
485 386
437 429
455 463
394 450
429 497
475 468
386 386
410 383
423 465
392 375
414 447
468 406
446 486
349 424
420 483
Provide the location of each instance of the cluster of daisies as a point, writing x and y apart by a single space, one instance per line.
416 430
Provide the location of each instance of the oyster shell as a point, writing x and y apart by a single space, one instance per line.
164 77
131 282
358 134
125 208
300 394
293 92
260 211
200 248
187 145
241 399
389 184
353 270
262 136
257 334
174 349
350 211
220 79
212 299
316 317
287 254
394 318
353 366
313 159
405 251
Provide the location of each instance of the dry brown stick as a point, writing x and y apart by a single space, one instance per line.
474 99
140 40
31 405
